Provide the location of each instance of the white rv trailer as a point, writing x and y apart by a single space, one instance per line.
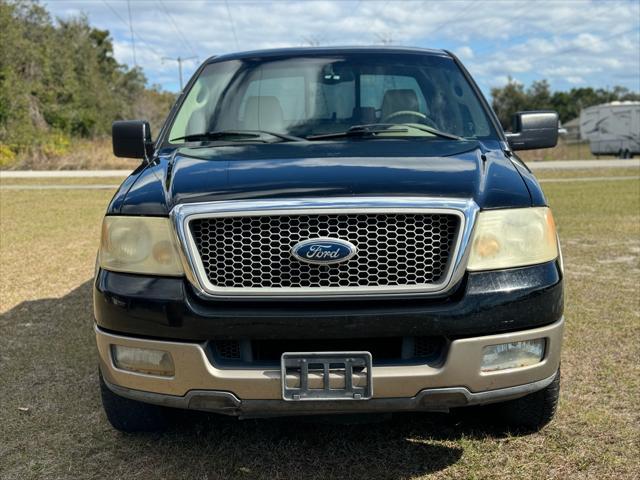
612 128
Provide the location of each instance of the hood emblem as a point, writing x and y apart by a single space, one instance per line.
323 251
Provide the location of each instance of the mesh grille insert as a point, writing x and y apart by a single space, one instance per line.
229 349
393 249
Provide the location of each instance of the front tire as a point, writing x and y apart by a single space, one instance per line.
533 411
131 416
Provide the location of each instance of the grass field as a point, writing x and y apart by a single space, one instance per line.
52 425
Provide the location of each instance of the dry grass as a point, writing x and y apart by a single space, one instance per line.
584 173
97 155
48 239
563 151
47 364
115 181
82 154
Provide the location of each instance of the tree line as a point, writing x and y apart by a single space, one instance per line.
59 80
513 97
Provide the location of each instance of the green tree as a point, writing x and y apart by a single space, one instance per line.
59 77
507 100
539 96
513 97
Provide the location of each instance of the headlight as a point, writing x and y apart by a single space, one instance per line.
513 238
139 245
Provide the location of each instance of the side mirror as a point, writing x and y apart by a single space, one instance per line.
538 129
131 138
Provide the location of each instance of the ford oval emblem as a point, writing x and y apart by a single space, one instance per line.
324 251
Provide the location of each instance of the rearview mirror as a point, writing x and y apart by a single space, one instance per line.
131 138
537 129
333 74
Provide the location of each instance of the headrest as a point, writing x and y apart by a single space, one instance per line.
398 100
263 113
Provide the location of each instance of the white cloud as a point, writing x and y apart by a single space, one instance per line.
589 42
573 79
565 71
499 81
518 65
564 41
465 52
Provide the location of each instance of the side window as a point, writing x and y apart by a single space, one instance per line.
196 111
374 87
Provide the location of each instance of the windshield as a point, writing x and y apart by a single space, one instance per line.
305 96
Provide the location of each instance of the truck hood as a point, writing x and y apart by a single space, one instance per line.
434 168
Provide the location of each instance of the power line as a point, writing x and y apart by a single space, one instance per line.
233 27
452 20
177 29
136 35
133 40
387 37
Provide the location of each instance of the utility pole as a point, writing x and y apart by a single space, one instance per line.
179 60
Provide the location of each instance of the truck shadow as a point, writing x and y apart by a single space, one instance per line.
48 351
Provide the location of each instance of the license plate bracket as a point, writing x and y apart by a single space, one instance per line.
308 376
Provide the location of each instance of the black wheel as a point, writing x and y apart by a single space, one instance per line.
131 416
627 154
533 411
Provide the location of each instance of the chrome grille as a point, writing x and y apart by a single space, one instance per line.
394 249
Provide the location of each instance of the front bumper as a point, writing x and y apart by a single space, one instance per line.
198 384
483 303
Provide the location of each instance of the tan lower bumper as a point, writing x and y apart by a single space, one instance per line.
461 368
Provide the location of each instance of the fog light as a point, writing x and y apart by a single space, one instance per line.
512 355
142 360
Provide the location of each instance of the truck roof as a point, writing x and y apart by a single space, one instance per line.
313 51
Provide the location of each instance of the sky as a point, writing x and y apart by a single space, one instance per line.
571 43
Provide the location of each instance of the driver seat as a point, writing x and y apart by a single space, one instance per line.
397 100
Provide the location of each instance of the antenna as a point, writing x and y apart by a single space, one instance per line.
311 40
385 38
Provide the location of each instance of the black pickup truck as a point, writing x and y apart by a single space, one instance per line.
329 230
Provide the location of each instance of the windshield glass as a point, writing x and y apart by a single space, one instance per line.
306 96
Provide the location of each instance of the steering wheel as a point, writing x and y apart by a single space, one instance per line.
411 113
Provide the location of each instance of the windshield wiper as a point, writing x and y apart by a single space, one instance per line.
372 129
361 131
249 134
